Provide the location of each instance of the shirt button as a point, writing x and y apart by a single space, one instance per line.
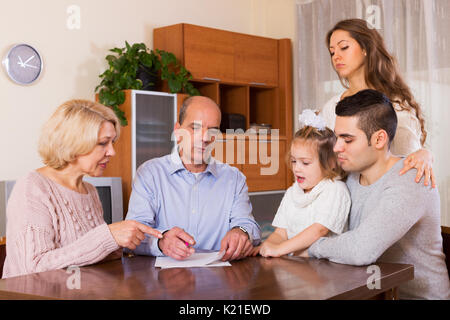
87 208
65 202
89 217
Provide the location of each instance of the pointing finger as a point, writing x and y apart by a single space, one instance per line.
148 230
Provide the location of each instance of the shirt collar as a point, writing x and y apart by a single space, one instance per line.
212 167
175 164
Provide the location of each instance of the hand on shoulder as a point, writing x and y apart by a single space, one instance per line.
422 161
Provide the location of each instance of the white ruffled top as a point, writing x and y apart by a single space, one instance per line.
328 203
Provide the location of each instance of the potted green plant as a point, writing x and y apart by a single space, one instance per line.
137 67
177 76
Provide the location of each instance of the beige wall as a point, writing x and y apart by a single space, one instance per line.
73 59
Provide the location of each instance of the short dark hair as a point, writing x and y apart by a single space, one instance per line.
374 110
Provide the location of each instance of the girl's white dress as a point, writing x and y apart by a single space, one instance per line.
328 203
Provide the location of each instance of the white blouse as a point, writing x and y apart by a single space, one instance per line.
408 134
328 203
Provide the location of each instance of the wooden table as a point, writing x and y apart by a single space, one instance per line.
288 278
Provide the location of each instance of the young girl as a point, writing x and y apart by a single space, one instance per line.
317 204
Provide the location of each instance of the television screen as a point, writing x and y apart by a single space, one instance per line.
109 191
265 206
105 197
5 190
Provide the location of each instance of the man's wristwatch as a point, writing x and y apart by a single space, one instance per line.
243 230
157 242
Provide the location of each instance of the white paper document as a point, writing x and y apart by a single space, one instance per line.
204 259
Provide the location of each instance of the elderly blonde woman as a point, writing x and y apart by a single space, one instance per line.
54 218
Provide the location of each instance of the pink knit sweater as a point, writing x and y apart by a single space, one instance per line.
50 226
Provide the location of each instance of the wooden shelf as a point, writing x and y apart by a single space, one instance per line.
209 89
265 169
243 74
233 83
264 107
269 173
235 99
259 104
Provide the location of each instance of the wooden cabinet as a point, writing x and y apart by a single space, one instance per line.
218 55
230 151
255 60
262 161
246 75
208 53
269 171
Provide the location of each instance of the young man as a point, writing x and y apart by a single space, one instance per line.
392 218
196 201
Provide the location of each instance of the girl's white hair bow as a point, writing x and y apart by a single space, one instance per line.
310 118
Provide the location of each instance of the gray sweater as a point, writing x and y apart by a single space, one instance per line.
394 220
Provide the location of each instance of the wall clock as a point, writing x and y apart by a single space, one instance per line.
23 64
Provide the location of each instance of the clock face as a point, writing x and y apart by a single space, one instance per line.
23 64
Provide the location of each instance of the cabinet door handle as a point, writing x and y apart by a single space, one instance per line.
258 83
211 79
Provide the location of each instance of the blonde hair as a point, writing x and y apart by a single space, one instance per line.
72 131
323 141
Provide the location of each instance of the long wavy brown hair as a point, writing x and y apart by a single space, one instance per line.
381 69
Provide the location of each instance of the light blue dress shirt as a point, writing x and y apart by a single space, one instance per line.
166 195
